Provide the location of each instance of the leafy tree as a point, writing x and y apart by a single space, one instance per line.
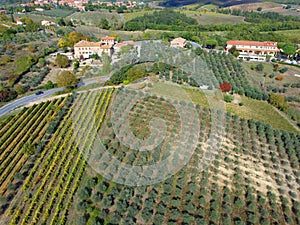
198 51
227 98
225 87
61 22
49 85
76 64
289 49
66 78
62 43
75 37
234 51
277 100
104 24
20 89
62 61
259 67
211 44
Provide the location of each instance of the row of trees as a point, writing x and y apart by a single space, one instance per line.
191 196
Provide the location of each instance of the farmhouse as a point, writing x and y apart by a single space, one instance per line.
178 43
85 49
253 50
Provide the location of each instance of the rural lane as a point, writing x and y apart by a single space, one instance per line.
25 100
34 98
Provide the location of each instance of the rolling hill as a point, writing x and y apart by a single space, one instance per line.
222 3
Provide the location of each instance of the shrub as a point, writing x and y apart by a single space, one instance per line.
283 70
259 67
272 75
228 98
279 78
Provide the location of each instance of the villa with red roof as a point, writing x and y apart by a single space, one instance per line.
253 50
85 49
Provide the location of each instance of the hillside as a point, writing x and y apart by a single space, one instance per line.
222 3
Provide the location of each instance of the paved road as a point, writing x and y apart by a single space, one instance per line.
32 98
25 100
195 45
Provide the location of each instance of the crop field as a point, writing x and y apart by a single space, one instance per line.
38 17
93 18
55 13
54 170
250 177
251 109
255 5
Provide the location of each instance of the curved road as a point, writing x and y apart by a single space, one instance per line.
32 98
25 100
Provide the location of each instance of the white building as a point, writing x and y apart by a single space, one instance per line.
47 23
253 50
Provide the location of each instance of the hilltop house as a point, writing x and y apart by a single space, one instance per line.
85 49
178 43
253 50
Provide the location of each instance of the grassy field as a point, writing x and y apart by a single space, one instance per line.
251 109
55 12
93 18
132 15
257 78
37 18
267 7
255 5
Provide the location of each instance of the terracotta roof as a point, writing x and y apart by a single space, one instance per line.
120 45
265 50
84 43
108 38
106 46
253 43
179 40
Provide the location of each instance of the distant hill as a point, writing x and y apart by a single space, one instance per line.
13 1
222 3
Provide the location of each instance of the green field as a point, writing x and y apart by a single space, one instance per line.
132 15
251 109
93 18
55 13
256 78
